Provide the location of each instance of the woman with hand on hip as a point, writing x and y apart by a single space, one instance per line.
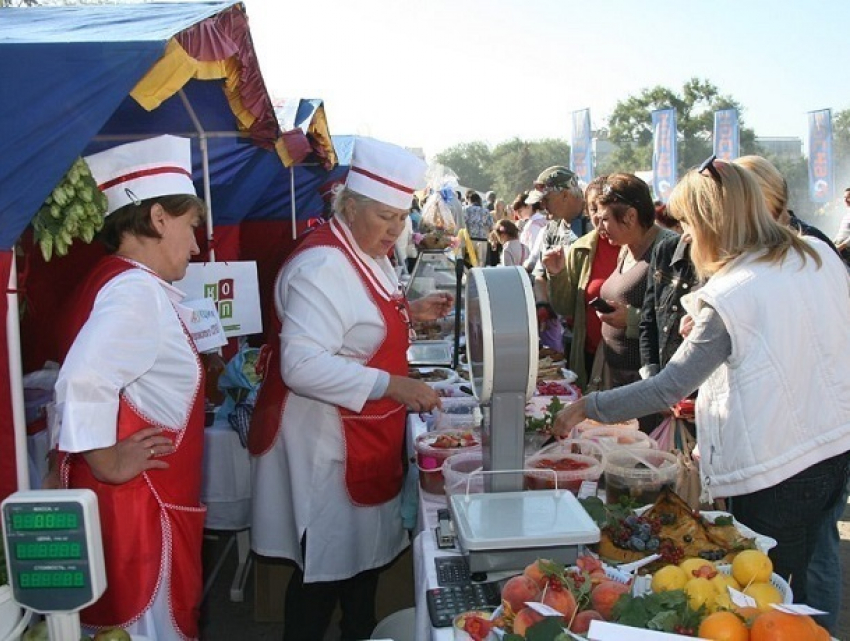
328 428
767 352
129 397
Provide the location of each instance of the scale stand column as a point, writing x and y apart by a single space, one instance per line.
64 626
503 446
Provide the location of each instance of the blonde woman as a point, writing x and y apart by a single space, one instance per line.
767 352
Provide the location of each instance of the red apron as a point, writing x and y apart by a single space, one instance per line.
373 437
156 517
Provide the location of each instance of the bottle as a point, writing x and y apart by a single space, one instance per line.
213 367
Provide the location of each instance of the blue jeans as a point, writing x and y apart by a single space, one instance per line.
792 512
824 576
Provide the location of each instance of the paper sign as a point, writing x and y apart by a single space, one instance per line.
542 608
588 488
637 565
742 600
201 319
234 289
797 608
606 631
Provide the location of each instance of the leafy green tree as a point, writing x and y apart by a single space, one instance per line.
507 169
516 164
630 126
471 162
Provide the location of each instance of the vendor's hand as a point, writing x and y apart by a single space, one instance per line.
554 260
619 318
415 395
131 456
568 418
432 307
686 325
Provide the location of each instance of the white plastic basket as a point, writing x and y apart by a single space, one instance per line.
775 580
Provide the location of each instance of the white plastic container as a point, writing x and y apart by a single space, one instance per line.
590 424
573 461
617 437
639 473
430 455
457 470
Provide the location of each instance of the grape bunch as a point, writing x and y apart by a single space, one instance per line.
670 552
638 533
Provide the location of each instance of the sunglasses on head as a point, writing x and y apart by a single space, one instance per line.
709 165
609 192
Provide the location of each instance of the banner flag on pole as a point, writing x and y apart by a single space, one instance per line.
821 184
581 157
663 152
727 134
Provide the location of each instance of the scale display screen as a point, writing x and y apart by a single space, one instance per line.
53 549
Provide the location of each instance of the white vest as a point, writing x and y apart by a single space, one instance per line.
781 401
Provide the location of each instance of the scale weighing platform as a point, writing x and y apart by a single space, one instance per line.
510 530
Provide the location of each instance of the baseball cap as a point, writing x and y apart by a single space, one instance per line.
556 177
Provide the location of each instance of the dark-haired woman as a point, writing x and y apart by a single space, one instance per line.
627 217
129 397
513 251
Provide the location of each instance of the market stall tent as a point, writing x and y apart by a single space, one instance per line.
77 79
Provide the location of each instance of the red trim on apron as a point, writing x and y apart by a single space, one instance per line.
156 516
374 437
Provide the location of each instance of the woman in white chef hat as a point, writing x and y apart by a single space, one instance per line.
129 397
328 428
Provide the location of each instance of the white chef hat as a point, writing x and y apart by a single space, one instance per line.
385 172
160 166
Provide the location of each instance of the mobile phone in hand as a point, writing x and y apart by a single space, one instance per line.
601 305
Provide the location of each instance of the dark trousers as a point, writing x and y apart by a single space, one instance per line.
792 512
310 606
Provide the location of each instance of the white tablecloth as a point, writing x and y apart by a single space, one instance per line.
226 488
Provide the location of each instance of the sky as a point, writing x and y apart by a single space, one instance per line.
437 73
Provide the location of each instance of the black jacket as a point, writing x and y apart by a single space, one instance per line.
671 275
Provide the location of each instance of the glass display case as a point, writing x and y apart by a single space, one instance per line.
434 271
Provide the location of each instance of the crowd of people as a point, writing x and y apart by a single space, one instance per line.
722 293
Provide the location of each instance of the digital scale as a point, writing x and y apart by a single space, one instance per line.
54 555
507 528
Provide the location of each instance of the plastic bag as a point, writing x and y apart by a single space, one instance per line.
442 209
240 383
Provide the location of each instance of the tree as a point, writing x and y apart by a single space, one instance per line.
508 169
516 164
630 126
471 162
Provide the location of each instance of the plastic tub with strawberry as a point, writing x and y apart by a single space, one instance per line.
432 450
572 461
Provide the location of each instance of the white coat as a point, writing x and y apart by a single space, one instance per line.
330 329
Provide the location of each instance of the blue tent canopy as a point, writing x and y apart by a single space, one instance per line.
66 74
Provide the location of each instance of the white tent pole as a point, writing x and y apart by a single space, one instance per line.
16 378
205 163
292 201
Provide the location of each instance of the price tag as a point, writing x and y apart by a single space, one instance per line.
542 608
637 565
796 608
606 631
742 600
588 488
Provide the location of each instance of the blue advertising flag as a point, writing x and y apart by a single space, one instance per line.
726 134
663 152
581 158
821 184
